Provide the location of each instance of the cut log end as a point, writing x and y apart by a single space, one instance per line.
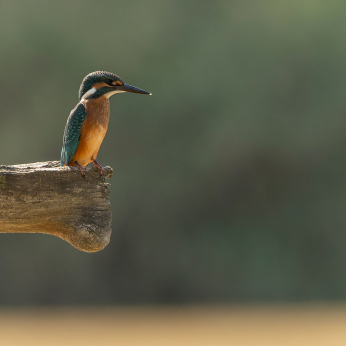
43 197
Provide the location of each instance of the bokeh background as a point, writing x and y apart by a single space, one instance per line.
229 182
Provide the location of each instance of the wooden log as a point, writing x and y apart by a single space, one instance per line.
43 197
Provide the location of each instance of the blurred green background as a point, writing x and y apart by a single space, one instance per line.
229 182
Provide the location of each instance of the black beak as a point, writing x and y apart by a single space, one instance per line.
132 89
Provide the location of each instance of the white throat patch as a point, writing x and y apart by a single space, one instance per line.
108 95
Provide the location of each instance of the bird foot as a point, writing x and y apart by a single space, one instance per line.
81 168
98 166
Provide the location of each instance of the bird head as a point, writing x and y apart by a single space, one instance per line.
101 83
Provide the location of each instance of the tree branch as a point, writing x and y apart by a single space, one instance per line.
43 197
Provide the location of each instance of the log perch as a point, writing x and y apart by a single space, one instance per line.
43 197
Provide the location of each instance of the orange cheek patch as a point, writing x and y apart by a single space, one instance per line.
119 83
99 85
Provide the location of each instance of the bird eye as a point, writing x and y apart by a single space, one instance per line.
109 82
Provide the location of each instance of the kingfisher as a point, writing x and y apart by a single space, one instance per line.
88 122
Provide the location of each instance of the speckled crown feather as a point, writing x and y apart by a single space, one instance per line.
95 77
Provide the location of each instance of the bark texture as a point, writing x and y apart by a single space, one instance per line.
43 197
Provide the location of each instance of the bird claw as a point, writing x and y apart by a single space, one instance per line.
81 168
99 167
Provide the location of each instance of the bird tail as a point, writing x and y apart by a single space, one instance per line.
62 157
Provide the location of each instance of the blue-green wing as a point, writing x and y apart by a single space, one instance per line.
72 133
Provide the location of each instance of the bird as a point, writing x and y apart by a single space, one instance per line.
87 123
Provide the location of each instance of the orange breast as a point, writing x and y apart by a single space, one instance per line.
93 131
